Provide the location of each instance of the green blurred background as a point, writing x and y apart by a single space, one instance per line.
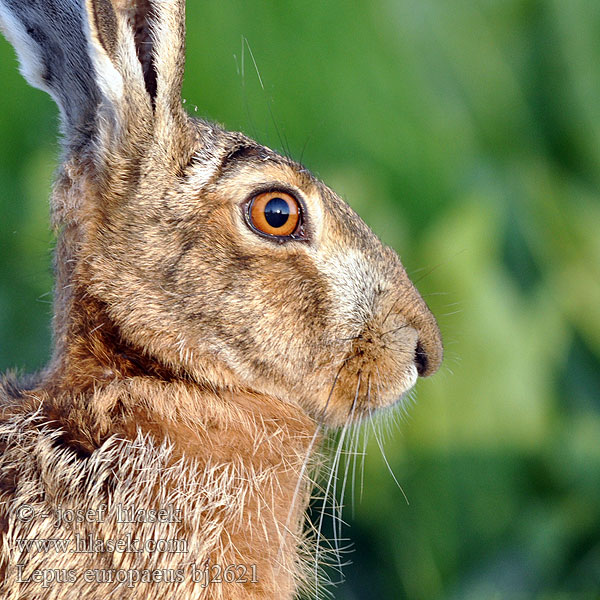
467 134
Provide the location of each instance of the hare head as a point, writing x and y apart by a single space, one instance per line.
194 252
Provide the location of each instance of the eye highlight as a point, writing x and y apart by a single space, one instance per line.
275 213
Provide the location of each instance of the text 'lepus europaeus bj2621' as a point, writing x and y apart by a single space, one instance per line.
216 307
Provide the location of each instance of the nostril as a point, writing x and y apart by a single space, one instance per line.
421 359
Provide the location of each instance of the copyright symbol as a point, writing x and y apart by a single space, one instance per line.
25 513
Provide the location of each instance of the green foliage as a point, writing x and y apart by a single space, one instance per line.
467 134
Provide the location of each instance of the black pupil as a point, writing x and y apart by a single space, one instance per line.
277 212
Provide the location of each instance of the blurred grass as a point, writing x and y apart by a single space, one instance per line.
467 134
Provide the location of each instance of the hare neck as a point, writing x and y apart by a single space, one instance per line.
242 460
254 455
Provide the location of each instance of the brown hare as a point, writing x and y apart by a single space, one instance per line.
216 308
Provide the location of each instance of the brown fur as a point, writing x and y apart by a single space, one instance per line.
195 362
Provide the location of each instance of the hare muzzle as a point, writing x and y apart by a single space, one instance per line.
390 334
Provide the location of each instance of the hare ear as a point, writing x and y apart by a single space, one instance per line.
53 52
114 67
156 30
160 40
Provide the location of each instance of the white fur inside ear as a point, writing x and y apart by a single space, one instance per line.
108 78
205 168
30 58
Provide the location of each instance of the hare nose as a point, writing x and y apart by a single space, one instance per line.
421 359
428 351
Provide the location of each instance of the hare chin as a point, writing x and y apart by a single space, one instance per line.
399 400
411 379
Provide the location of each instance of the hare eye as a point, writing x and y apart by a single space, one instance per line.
275 213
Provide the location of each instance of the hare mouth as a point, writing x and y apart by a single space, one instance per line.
377 373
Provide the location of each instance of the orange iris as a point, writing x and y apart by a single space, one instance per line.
275 213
